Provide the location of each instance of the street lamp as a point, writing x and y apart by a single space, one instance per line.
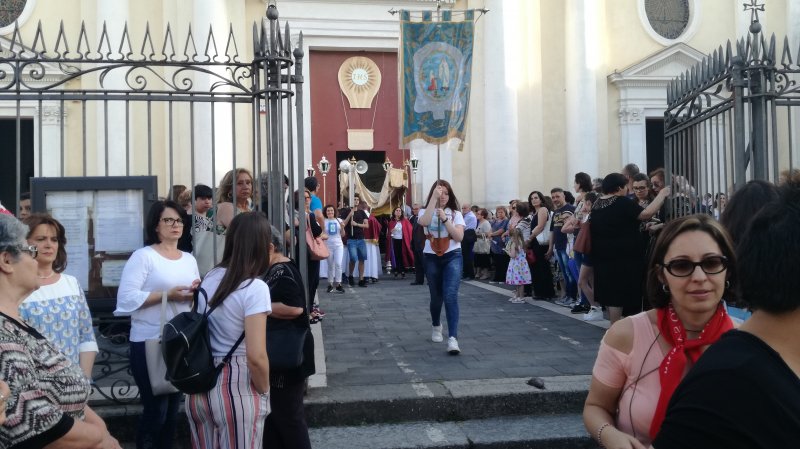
414 164
310 171
324 167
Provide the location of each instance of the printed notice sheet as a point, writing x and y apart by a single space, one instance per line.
118 221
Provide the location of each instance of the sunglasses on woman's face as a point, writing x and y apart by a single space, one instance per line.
710 265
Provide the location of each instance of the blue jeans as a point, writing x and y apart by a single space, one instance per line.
444 277
159 413
569 279
357 250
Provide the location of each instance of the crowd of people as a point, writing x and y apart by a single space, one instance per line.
666 283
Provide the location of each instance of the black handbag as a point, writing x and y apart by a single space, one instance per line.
285 347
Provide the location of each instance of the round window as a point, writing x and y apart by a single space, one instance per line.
669 18
10 10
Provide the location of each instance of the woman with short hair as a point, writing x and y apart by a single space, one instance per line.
499 256
643 358
158 268
59 296
45 403
286 426
483 260
617 247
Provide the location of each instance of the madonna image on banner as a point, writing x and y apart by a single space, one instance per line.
435 78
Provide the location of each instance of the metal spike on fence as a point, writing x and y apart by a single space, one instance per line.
104 39
771 51
168 41
728 53
740 49
16 40
61 37
256 39
36 40
264 37
211 42
83 42
288 41
148 40
786 54
126 40
232 41
190 41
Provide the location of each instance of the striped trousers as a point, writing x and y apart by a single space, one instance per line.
232 414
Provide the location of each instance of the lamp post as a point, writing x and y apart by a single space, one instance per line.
310 171
414 164
324 166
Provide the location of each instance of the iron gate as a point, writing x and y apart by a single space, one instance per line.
732 118
182 106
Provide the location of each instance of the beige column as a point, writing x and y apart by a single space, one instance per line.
583 59
110 137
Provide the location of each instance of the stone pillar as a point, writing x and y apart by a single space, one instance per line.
498 163
49 119
633 137
583 59
213 13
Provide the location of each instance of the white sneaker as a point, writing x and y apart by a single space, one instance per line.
436 335
452 346
517 300
594 314
564 302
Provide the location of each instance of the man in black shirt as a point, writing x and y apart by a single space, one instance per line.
354 224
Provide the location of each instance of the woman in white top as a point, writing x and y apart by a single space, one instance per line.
444 227
58 307
335 230
232 414
158 267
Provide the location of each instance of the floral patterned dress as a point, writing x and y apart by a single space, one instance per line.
518 272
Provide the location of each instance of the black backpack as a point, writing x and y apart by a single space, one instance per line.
186 347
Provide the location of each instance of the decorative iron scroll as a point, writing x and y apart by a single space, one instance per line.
153 67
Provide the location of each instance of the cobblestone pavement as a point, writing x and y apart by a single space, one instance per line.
381 335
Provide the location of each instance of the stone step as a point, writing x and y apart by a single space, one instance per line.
511 432
444 401
443 407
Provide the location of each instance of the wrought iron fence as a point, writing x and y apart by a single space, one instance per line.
732 118
185 108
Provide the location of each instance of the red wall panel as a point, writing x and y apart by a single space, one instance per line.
330 116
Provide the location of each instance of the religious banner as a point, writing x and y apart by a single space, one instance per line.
435 75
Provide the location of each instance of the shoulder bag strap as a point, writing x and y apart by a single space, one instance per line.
164 309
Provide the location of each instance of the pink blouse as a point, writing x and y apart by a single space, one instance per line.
637 375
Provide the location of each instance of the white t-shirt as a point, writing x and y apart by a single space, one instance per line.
397 232
333 228
147 271
226 322
438 229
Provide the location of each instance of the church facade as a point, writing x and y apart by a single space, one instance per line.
558 87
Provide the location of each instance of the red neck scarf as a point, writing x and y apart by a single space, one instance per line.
674 364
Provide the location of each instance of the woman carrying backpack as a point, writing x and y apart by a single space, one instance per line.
150 271
232 414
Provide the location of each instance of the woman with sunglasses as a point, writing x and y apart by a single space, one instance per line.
643 358
160 267
46 404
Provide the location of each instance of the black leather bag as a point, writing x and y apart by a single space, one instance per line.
285 347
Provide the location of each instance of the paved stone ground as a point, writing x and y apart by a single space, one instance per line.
380 335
